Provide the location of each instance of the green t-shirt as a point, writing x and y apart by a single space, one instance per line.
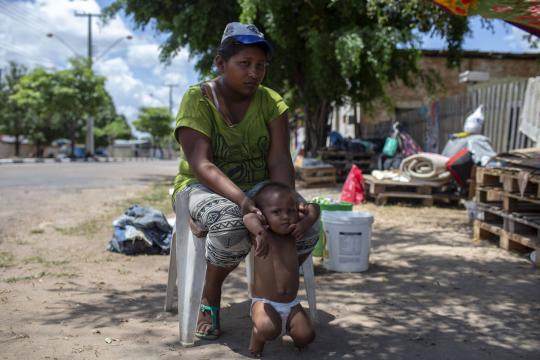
239 150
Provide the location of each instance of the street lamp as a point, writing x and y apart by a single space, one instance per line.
66 44
129 37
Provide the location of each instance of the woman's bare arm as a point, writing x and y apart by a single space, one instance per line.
279 160
198 152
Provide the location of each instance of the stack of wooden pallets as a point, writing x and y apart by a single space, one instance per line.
316 176
344 160
383 190
504 213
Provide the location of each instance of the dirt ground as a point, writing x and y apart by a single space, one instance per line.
430 293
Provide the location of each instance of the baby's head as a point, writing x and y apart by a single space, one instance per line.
278 205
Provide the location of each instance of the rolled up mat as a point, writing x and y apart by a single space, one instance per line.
426 166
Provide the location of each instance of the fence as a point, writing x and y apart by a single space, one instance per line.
432 124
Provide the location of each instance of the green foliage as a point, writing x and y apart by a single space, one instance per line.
14 120
59 103
117 129
324 51
197 24
33 92
154 120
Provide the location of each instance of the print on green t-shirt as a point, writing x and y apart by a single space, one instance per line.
239 162
239 150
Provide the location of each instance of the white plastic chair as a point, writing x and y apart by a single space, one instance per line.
188 265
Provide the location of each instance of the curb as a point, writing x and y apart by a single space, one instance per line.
67 160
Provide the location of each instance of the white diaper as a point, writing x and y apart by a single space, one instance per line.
283 309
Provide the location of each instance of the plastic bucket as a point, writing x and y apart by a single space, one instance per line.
342 206
348 240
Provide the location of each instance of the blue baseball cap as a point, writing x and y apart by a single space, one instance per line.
246 34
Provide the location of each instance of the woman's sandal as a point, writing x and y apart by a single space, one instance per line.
215 330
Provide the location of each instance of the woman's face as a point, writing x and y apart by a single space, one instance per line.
245 70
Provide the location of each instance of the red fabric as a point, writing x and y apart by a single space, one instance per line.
353 188
460 166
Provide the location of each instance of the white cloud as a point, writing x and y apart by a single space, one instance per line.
143 55
135 77
516 42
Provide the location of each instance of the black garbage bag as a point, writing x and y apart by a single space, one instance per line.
141 230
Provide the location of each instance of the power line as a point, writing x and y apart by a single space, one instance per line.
22 51
21 10
27 58
22 20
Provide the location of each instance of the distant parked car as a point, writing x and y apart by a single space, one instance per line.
101 152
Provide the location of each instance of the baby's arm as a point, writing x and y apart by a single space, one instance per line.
255 226
311 215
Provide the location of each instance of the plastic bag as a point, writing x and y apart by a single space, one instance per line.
353 188
474 122
390 146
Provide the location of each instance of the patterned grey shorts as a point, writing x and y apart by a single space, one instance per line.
228 242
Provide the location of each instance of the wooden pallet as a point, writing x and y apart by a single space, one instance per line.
508 181
519 223
383 190
486 177
509 202
505 239
319 176
326 154
503 211
343 161
486 231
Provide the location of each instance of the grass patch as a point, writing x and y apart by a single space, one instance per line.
37 231
15 279
40 275
88 227
44 262
6 259
156 197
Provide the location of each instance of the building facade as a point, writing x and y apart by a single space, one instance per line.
349 119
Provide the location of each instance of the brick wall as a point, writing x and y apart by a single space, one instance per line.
498 65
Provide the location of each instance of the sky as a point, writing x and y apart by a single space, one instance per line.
135 76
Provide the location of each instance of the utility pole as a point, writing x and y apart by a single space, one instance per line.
89 120
171 86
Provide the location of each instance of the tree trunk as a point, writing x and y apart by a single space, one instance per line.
17 145
316 123
38 149
72 139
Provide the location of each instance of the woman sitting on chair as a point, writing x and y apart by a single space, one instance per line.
234 135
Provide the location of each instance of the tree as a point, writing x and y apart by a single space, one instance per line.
33 93
117 129
157 121
324 51
78 93
14 120
61 101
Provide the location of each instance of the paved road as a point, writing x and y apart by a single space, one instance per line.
84 175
